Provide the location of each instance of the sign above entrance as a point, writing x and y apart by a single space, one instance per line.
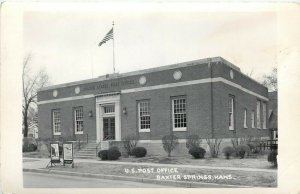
108 85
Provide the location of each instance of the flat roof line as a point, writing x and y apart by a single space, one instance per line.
150 70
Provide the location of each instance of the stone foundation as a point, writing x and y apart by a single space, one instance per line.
155 147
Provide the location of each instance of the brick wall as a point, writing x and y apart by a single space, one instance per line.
198 111
198 98
67 119
243 101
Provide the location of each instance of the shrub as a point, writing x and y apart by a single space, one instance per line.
197 152
29 145
252 146
272 157
113 154
103 154
169 143
242 150
139 152
129 143
193 141
228 151
214 146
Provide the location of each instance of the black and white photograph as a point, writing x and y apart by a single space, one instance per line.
152 95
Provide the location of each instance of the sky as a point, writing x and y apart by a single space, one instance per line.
65 43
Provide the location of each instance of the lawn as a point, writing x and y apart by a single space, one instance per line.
260 162
249 178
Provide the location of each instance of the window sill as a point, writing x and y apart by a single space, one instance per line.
79 132
56 133
144 130
180 129
231 129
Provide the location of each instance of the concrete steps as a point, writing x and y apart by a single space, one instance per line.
88 151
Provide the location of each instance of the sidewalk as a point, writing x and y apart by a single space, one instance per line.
38 163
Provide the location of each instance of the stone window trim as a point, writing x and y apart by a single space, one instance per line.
258 114
253 119
231 112
179 113
78 120
144 115
245 118
56 122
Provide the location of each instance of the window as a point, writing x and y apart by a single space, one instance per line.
56 122
258 124
78 115
231 113
109 109
252 120
179 114
264 114
245 118
144 116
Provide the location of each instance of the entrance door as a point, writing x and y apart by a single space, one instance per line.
109 128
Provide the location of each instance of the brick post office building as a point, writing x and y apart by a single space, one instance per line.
207 97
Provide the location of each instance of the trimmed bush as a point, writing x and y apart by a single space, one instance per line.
169 143
139 152
272 157
197 152
103 154
193 141
228 151
113 154
242 150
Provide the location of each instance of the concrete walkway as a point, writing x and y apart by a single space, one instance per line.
38 163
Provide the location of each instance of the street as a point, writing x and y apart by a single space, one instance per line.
38 180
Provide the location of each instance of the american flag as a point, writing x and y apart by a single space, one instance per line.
108 36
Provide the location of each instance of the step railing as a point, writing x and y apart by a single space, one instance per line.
81 142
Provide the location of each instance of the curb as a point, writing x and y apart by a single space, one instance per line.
136 179
180 166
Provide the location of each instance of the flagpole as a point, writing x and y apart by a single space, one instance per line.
113 47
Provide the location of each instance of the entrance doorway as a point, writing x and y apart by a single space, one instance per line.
108 117
109 128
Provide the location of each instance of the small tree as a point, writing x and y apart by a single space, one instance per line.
214 146
129 143
169 143
270 80
193 141
31 83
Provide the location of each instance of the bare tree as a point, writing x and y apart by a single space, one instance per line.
31 82
270 80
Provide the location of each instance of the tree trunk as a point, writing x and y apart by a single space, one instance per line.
25 122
